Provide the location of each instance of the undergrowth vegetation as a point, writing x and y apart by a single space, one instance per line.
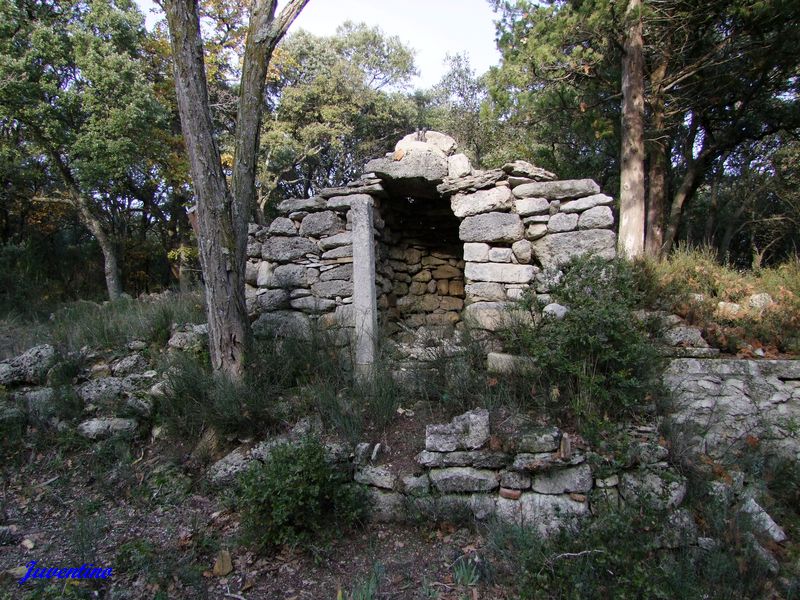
297 498
597 363
692 283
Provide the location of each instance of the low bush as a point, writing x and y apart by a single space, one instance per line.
297 499
598 362
620 554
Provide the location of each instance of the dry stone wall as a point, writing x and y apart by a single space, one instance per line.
452 243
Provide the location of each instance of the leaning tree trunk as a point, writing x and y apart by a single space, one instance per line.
631 198
222 264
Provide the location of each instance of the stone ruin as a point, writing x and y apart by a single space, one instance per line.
421 242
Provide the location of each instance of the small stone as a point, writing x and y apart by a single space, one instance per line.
516 480
463 479
500 255
522 250
560 481
458 165
536 231
562 222
526 207
598 217
282 226
759 301
376 476
585 204
105 427
762 521
510 494
555 311
483 201
416 485
492 227
557 190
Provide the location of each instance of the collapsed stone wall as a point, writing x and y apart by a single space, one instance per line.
452 243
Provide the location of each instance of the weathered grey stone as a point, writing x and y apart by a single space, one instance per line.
446 272
719 402
679 530
344 272
458 165
335 241
491 227
499 273
287 249
515 480
438 141
536 231
253 248
386 507
555 311
187 341
104 388
759 301
282 226
376 476
485 291
521 168
562 222
476 252
559 481
557 190
484 459
365 308
598 217
301 204
482 201
414 485
526 207
487 315
282 324
547 513
426 165
468 431
104 427
661 490
29 367
497 362
523 251
479 180
271 300
582 204
536 439
227 468
343 203
312 304
728 310
683 335
340 252
463 479
544 461
321 224
500 255
557 249
762 522
331 289
129 364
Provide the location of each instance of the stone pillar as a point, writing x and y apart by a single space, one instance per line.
365 308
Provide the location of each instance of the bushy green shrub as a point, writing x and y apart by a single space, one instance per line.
297 498
598 361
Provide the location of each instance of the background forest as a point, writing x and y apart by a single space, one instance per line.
95 179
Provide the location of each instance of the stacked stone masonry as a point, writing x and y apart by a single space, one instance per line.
451 243
532 476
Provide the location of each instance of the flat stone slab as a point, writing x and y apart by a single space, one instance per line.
464 479
557 190
469 431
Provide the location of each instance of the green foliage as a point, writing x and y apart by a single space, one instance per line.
619 555
297 499
598 362
113 324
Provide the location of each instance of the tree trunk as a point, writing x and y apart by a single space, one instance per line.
221 213
687 188
632 198
223 270
659 164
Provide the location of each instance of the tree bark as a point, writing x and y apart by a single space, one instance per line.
659 165
228 325
691 179
222 213
632 198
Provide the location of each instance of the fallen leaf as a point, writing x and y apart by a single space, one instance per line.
223 565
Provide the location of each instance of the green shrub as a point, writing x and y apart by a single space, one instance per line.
598 362
297 498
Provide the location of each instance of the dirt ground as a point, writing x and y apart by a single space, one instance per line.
142 508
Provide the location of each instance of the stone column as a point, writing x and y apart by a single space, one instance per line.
365 307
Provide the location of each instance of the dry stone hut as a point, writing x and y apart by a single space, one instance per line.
421 240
